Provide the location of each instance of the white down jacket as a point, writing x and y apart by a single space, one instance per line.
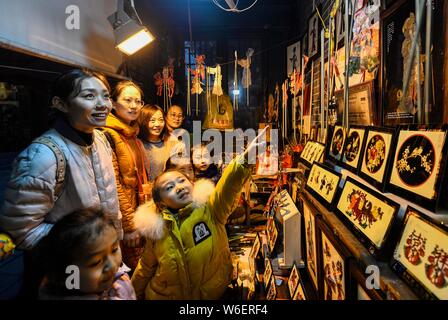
30 208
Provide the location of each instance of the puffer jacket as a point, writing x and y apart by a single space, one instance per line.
192 260
126 177
30 208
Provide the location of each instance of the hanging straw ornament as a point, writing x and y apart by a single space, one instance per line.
217 83
247 77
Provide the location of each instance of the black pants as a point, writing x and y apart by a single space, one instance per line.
33 274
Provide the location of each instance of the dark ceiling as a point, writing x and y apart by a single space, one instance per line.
168 16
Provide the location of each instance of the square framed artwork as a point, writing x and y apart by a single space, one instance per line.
293 58
313 153
353 148
421 256
272 292
337 144
358 283
311 243
369 214
323 183
272 237
377 156
418 166
313 35
334 266
267 273
293 280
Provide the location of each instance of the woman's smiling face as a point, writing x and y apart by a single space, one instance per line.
90 107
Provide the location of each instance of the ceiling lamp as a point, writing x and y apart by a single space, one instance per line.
130 34
233 6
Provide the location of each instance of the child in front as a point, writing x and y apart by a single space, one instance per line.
81 256
187 254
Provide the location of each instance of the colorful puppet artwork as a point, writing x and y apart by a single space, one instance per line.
323 182
333 271
367 211
313 35
165 84
293 54
310 237
353 147
198 75
423 253
417 163
375 158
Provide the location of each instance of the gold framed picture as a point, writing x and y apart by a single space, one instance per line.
323 183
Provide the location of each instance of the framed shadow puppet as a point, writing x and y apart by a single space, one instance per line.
421 256
354 148
368 213
418 167
323 184
337 144
377 156
311 243
334 266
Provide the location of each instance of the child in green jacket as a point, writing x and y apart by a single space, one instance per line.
187 255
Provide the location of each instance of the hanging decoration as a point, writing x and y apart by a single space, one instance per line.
247 77
235 83
217 84
198 77
164 82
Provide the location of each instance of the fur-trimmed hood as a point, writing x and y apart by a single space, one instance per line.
149 220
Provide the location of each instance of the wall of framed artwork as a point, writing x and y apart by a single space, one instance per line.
421 256
311 243
377 156
369 214
418 167
323 183
354 148
334 266
337 144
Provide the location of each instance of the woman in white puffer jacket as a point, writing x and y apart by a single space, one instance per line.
32 202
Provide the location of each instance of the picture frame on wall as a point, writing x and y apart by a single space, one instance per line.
418 166
369 214
254 252
354 148
293 58
377 156
311 243
336 146
358 281
334 266
395 52
313 35
323 184
420 256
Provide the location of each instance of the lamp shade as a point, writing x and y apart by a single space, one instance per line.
131 37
